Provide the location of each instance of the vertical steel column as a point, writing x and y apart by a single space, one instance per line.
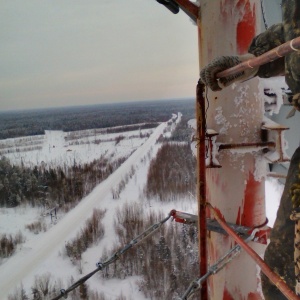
201 185
226 27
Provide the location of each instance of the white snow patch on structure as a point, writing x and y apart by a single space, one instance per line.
222 121
271 92
273 193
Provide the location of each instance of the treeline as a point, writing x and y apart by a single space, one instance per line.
182 132
172 173
131 128
75 135
61 186
35 122
9 243
88 235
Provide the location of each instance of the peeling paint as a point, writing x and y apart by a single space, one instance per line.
245 30
227 295
254 296
251 202
236 114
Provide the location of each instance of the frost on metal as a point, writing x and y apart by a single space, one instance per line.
222 121
272 92
260 171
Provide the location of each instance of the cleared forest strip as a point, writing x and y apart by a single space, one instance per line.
14 271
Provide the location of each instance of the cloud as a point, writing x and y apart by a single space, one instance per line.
57 48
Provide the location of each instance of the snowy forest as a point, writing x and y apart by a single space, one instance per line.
165 263
34 122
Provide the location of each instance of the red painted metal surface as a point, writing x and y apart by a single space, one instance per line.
252 211
254 296
236 114
227 295
201 185
245 29
277 280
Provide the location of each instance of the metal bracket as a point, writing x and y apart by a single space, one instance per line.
261 235
212 149
273 146
276 175
275 132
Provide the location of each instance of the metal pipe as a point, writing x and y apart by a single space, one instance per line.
170 5
280 51
189 8
247 145
279 282
276 175
201 185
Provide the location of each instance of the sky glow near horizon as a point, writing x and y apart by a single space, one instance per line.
61 53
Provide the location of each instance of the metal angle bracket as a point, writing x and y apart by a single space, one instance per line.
211 149
275 132
261 235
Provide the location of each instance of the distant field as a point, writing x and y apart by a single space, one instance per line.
35 122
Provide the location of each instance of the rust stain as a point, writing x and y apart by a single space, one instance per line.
238 219
237 295
254 296
227 295
250 201
245 30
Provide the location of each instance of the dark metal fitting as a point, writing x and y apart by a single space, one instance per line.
64 293
170 5
99 265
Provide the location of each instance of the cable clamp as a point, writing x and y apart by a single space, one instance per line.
99 265
64 293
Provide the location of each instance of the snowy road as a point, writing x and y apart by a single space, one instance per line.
17 269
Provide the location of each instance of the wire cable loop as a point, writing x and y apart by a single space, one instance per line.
215 268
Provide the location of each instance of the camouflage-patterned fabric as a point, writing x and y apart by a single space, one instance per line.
291 28
264 42
276 35
296 101
279 254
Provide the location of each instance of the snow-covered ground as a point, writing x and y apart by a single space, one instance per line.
42 253
63 148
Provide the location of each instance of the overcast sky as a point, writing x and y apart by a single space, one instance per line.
76 52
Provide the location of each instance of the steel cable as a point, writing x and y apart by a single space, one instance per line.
101 265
